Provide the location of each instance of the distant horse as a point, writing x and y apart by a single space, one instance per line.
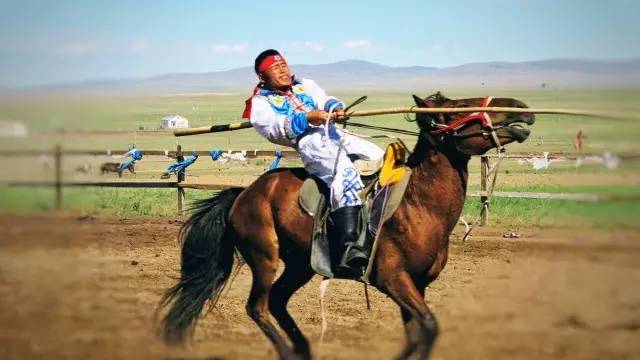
265 223
115 167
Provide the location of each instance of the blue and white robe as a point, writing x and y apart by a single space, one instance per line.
282 119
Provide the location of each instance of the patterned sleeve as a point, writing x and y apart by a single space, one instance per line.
325 102
279 129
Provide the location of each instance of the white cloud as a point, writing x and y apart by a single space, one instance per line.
139 45
314 46
76 49
436 47
228 48
357 44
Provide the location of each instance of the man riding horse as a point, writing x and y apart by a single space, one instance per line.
299 114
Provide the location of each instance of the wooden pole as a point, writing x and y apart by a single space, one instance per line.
212 129
417 110
180 176
493 109
58 176
484 198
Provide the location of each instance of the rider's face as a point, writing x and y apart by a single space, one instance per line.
277 75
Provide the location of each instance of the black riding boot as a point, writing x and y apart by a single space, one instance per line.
345 235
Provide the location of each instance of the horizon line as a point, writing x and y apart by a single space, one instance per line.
118 79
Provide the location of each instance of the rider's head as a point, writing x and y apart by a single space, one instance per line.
273 69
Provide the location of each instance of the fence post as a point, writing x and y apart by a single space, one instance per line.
181 176
58 175
484 198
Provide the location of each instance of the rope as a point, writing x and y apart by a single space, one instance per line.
323 316
366 295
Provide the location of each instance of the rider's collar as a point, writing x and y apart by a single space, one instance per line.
268 91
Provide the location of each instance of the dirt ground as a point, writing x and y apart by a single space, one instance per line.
74 287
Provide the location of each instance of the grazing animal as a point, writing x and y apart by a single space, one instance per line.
266 224
84 168
115 167
577 141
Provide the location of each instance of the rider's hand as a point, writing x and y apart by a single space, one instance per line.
339 116
317 117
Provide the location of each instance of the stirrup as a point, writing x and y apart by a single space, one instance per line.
353 263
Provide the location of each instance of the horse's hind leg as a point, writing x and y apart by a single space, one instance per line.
295 275
420 324
263 267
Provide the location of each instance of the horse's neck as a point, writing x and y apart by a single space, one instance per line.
438 185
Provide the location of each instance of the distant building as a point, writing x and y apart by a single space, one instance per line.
13 129
174 122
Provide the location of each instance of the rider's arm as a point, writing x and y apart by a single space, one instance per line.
277 128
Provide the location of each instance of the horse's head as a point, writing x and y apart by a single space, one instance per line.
471 134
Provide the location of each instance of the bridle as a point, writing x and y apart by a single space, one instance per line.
441 131
488 130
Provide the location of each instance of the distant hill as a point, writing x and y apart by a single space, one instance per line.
361 75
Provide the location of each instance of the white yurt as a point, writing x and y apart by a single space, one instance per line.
13 129
174 121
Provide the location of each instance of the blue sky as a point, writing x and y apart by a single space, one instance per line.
58 41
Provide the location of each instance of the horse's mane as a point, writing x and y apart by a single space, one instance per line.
424 144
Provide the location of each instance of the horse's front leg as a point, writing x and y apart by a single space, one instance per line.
421 326
412 333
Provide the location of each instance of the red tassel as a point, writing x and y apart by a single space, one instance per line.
247 103
247 108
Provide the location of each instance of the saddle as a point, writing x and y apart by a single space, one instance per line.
385 184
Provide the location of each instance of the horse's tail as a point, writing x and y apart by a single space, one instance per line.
206 262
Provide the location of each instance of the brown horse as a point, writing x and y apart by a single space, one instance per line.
266 223
115 167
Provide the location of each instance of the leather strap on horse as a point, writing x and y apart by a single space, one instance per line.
482 117
487 130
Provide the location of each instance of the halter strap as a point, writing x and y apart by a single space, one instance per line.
485 122
483 117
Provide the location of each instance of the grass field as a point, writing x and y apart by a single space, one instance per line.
111 123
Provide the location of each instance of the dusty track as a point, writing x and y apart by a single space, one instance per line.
73 288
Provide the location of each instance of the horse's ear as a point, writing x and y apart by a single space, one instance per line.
419 101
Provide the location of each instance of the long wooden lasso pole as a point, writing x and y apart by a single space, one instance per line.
417 110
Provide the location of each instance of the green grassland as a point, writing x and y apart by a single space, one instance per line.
58 115
111 123
162 202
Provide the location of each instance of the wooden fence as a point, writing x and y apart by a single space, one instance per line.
58 184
